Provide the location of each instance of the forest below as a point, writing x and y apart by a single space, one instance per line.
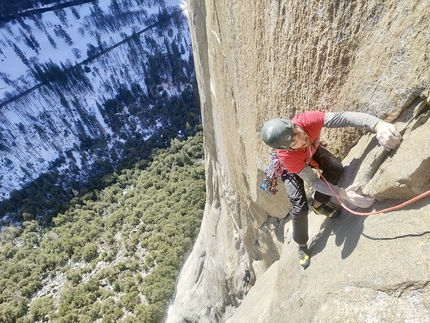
113 254
100 232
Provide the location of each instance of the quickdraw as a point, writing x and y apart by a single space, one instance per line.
271 174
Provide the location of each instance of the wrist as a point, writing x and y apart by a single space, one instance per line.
342 194
378 125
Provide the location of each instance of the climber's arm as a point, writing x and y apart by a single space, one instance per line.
350 119
348 194
386 133
309 176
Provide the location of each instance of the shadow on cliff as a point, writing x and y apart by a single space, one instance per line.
280 229
347 230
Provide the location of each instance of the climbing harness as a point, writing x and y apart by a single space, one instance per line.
396 207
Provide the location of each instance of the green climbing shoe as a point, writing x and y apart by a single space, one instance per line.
327 211
304 258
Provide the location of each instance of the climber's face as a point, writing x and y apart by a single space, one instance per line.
300 140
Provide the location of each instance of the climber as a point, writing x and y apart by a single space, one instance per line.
297 144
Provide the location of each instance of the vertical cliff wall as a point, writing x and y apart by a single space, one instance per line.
268 59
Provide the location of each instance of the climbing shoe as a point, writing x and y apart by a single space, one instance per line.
327 211
304 258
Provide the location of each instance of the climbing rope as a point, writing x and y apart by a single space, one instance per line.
396 207
275 169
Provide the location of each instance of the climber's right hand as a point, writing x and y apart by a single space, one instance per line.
350 194
387 135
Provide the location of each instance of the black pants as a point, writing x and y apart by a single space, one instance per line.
332 169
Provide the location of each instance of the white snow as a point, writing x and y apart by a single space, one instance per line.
36 127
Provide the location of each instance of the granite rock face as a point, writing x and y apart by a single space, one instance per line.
265 59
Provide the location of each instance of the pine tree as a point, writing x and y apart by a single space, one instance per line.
76 13
30 41
62 15
38 22
51 40
21 55
60 32
35 42
76 52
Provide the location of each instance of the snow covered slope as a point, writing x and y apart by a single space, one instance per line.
77 83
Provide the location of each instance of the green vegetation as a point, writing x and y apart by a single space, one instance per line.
115 253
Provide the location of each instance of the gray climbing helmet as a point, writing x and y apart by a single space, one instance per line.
278 133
